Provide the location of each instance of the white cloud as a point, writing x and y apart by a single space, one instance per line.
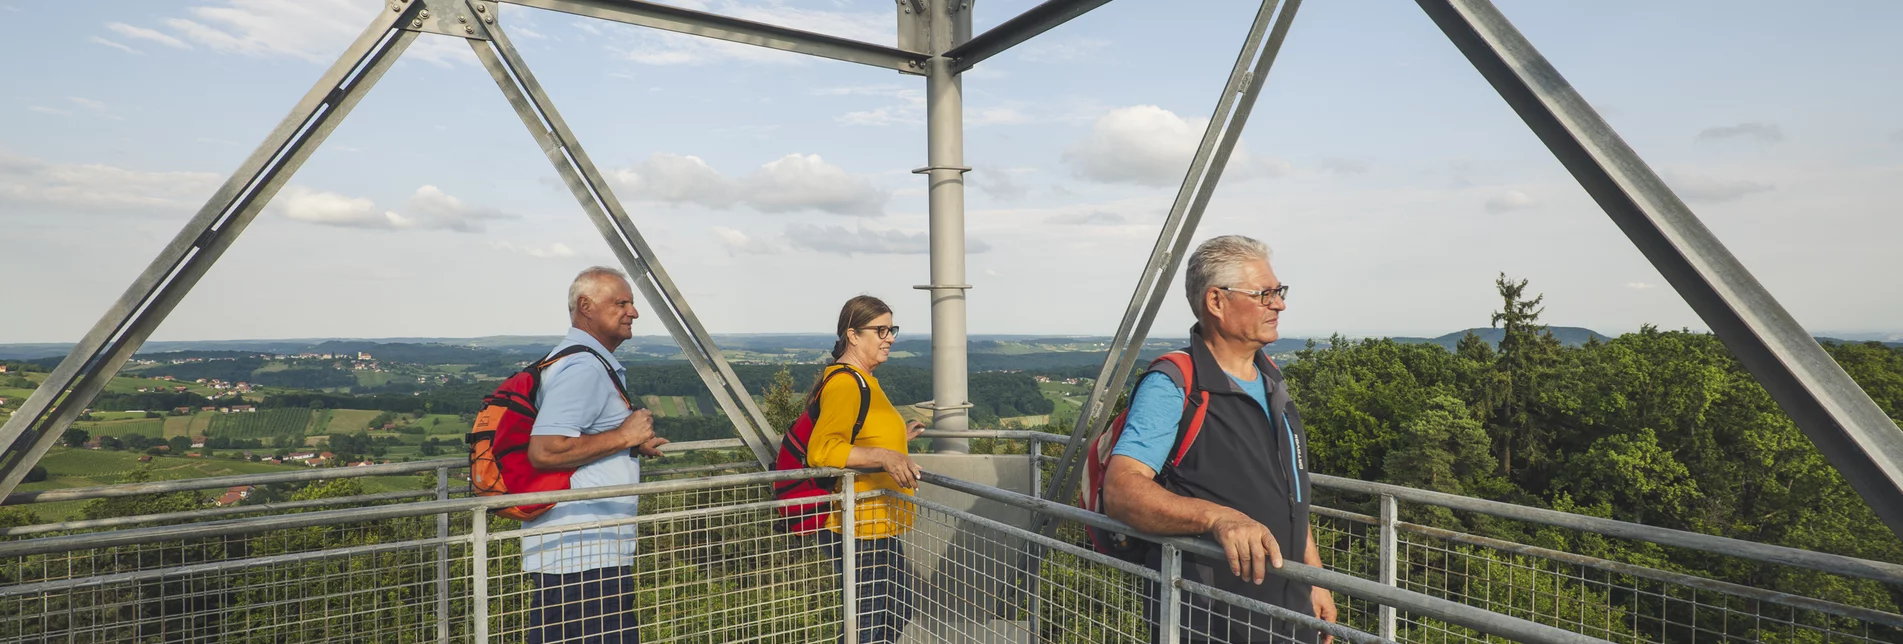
1699 187
866 241
311 30
1093 218
739 243
653 47
791 183
115 45
48 110
97 106
1762 132
141 33
1151 146
1067 50
551 250
1509 201
796 182
1640 286
677 179
61 188
996 183
430 209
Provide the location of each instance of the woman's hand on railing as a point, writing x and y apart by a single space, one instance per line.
903 469
913 430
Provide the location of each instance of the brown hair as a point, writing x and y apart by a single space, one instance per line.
856 312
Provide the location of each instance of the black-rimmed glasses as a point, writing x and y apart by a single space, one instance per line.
884 331
1264 296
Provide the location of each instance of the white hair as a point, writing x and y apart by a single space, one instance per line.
592 283
1219 262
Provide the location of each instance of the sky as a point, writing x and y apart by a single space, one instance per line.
1390 181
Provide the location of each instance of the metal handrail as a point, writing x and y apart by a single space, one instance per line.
1415 603
317 474
1823 562
386 512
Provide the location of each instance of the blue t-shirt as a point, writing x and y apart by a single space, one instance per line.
1156 410
577 397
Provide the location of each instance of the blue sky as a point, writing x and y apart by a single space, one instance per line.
1391 182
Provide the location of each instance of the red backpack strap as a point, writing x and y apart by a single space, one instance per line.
620 387
1195 403
865 399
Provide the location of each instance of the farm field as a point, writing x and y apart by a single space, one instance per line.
349 421
672 406
442 424
147 427
278 424
1067 398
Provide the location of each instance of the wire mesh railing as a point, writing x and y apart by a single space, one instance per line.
703 563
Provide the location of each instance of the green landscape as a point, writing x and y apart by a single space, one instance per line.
1659 427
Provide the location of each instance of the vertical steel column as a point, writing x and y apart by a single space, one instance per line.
849 558
179 266
532 104
1169 616
950 26
442 558
479 573
1389 561
1847 426
1192 197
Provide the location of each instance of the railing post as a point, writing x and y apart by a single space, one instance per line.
479 573
1169 614
442 558
1035 566
849 558
1389 561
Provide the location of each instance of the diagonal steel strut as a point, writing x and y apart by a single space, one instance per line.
1205 171
512 75
152 296
1847 426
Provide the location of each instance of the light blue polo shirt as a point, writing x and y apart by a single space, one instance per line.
1156 412
577 397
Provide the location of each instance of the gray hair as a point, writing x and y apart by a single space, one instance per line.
1219 262
591 282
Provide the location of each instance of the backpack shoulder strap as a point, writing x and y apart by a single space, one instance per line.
621 388
865 397
1181 371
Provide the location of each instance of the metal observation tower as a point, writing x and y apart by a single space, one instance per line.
994 554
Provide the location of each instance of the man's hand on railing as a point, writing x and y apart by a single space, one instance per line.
1325 609
1246 542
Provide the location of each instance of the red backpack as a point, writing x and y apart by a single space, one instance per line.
499 440
807 518
1097 456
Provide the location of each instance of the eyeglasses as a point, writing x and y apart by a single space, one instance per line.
1263 296
885 331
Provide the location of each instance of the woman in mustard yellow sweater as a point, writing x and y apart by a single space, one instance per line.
884 582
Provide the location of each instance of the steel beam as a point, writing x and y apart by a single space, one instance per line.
1025 26
179 266
711 25
1847 426
1192 197
559 143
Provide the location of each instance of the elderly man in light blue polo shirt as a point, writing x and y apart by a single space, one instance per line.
585 422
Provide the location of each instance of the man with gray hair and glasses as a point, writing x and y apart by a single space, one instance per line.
1243 481
585 422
